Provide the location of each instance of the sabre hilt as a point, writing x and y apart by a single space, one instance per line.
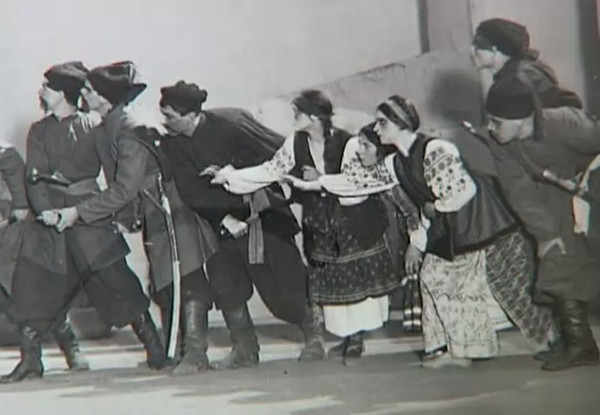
35 177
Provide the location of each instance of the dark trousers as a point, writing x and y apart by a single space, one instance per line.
281 280
194 286
40 295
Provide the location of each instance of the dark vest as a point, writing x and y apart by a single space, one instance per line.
477 224
367 220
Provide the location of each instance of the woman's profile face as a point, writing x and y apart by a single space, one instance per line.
386 129
302 121
367 151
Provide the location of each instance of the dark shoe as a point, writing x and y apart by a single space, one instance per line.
313 336
244 352
555 349
145 330
30 366
195 339
67 343
581 348
352 346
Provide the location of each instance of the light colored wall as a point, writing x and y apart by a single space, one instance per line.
241 51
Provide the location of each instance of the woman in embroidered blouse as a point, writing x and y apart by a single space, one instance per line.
403 218
351 272
465 298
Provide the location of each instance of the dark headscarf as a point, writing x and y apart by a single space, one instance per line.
183 97
116 82
510 38
314 102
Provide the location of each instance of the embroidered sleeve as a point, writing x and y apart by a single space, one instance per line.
250 179
447 177
356 180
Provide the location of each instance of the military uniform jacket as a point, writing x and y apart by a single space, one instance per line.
64 147
567 143
131 168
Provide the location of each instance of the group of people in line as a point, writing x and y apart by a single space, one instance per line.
388 207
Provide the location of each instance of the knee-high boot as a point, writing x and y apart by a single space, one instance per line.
195 339
30 365
581 348
67 343
145 330
313 336
244 352
557 346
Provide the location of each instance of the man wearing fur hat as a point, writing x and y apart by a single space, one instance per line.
52 268
132 162
533 145
256 246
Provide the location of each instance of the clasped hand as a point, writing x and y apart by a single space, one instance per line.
61 219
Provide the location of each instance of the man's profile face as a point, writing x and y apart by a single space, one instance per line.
49 98
483 58
92 99
504 130
176 123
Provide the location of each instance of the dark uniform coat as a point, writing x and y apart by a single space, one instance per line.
52 265
131 168
12 169
232 136
569 141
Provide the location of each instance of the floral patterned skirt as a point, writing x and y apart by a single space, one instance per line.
465 300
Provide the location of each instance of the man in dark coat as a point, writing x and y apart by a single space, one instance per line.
502 46
532 142
53 266
256 236
13 229
128 154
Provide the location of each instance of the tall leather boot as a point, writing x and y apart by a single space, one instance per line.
30 366
244 352
313 336
195 339
67 343
557 346
581 348
145 330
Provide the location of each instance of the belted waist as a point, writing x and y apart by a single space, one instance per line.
80 188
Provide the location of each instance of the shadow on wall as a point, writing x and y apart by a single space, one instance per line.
444 86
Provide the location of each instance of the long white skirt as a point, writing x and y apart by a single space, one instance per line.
369 314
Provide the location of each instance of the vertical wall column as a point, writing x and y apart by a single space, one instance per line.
590 45
448 24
